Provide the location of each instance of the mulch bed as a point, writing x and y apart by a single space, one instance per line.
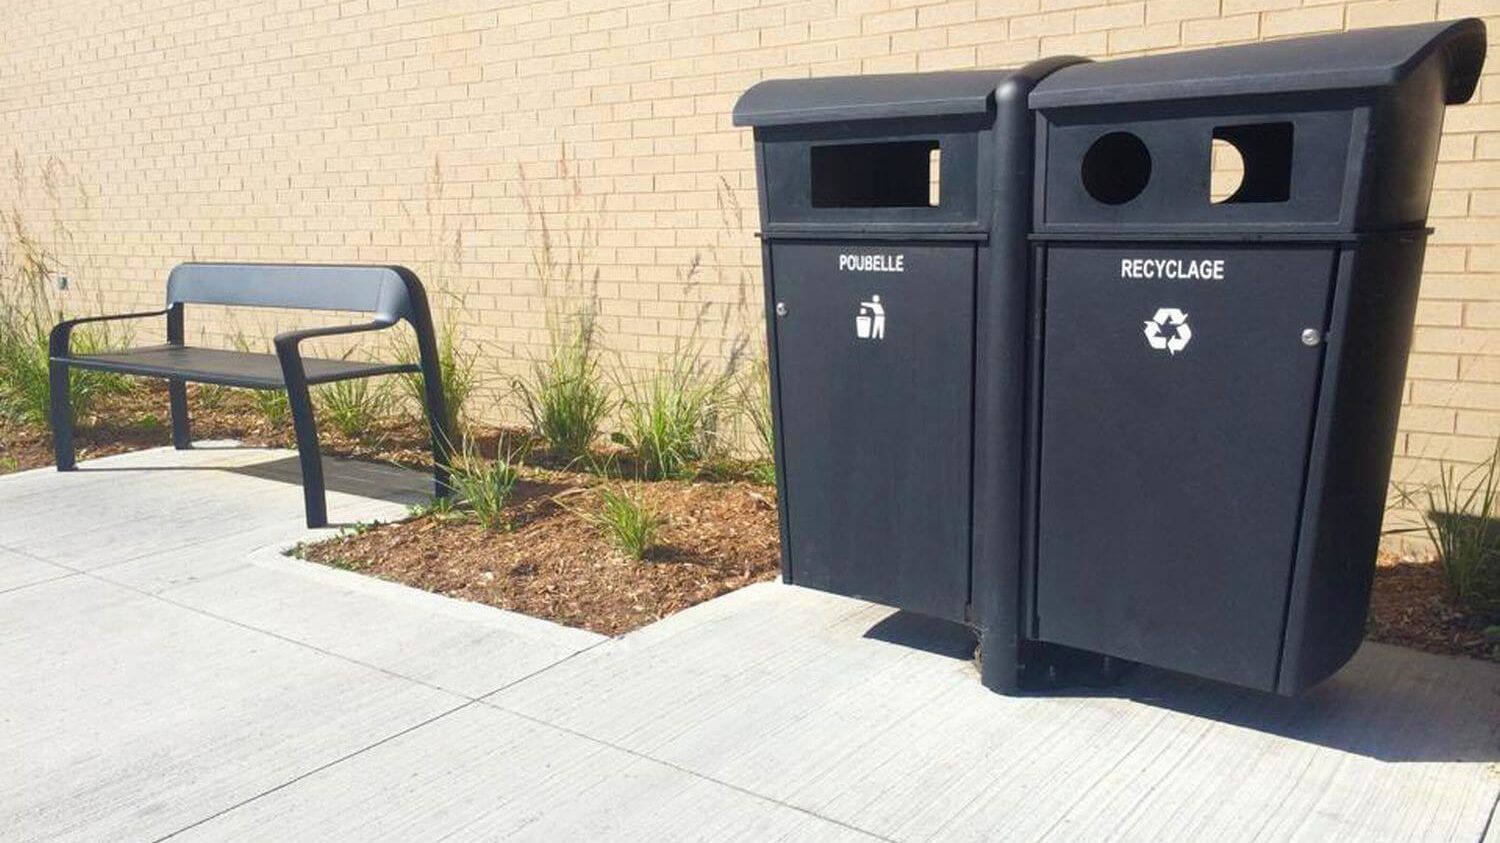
554 562
1410 606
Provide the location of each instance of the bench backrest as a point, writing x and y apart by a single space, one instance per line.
388 292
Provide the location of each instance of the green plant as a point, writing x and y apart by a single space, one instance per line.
456 372
441 273
755 401
755 404
442 508
565 398
484 485
354 406
670 419
564 394
28 310
210 396
630 523
1459 516
763 472
9 464
273 404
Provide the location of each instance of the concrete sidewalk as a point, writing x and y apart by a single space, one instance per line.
165 672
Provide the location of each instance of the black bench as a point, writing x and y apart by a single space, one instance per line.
389 293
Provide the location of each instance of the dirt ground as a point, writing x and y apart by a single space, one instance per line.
555 563
1409 605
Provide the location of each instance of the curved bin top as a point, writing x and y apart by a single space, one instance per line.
1367 58
784 102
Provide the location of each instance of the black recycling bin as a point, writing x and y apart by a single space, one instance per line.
1029 375
894 218
1216 384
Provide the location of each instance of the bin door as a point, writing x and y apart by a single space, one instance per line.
874 360
1176 414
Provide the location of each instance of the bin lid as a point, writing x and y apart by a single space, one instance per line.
1367 58
781 102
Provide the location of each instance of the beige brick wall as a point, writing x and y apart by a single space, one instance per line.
145 132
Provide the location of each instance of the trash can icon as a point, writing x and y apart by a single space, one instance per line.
869 324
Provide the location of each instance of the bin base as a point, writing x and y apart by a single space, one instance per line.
1009 667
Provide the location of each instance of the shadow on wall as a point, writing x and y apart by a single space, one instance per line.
1389 703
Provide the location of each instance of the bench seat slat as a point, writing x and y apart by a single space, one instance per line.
229 368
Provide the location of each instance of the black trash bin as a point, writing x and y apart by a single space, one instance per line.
1216 384
894 218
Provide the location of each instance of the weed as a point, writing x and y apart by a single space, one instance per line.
456 371
440 273
565 398
670 420
27 313
1460 514
630 523
273 404
564 395
483 485
345 563
354 406
755 403
210 396
442 508
358 528
763 472
9 464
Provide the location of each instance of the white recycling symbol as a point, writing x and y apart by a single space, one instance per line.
1181 333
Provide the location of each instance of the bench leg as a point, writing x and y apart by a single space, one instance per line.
442 437
182 431
308 453
437 416
62 416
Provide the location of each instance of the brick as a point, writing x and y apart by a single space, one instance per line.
1114 16
1158 11
1390 12
1431 367
895 21
1428 419
1227 30
1035 26
1152 37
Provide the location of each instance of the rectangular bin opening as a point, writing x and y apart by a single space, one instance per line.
894 174
1251 163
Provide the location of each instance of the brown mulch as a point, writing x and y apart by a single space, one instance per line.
1410 606
554 562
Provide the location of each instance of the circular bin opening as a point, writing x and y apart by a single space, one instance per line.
1116 168
1227 171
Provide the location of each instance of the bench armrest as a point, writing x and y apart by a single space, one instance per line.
291 339
291 359
59 340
